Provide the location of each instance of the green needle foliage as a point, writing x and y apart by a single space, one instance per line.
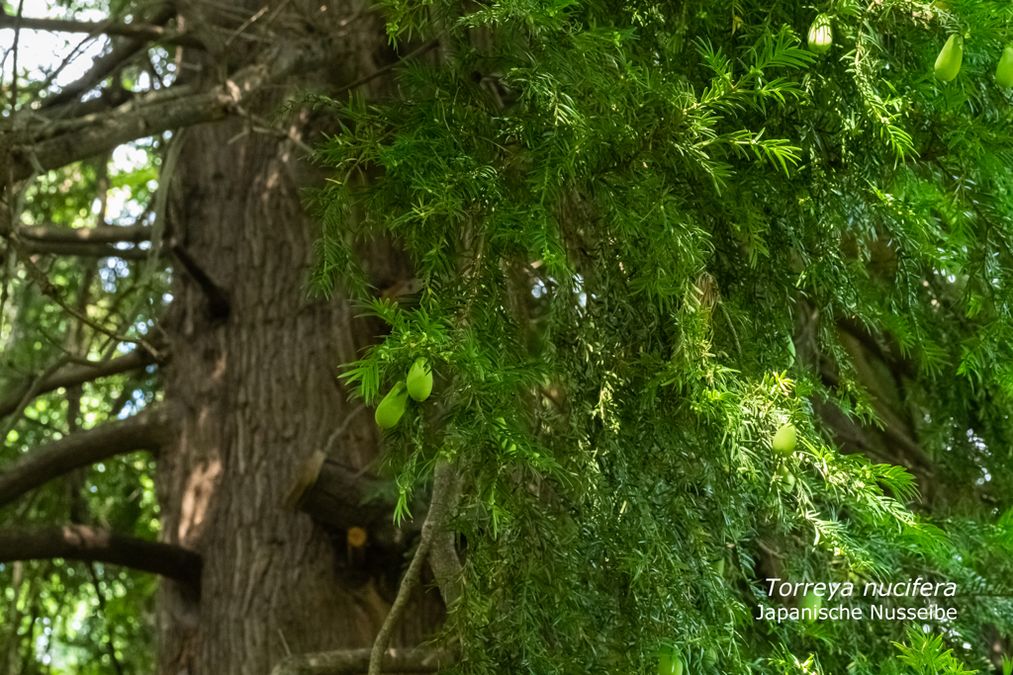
639 229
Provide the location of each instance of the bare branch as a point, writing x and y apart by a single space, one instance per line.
86 242
136 120
100 234
140 31
356 660
80 542
84 250
148 430
105 65
446 567
75 374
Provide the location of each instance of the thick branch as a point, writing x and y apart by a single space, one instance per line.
336 495
139 31
101 234
84 249
76 374
80 542
131 121
356 660
145 431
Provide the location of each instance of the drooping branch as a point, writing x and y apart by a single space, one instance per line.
148 430
137 120
75 374
413 660
81 542
440 511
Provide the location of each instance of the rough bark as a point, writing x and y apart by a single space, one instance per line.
258 393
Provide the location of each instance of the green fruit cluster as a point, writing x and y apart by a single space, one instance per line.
947 66
811 601
951 57
418 385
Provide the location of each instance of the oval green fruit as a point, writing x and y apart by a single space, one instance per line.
1004 71
786 477
710 657
821 35
811 601
785 439
419 380
392 407
949 59
669 663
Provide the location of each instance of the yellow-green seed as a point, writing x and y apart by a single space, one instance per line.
392 407
821 35
811 601
1004 71
419 380
949 59
785 439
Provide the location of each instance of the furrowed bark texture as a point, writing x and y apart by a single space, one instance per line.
259 394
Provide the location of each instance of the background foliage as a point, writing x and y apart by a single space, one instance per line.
57 616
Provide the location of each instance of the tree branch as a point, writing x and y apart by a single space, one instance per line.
356 660
139 31
105 65
81 542
100 234
136 120
148 430
85 249
75 374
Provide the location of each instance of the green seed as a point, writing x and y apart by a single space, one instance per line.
1004 71
821 35
949 59
669 663
419 380
811 601
392 407
785 439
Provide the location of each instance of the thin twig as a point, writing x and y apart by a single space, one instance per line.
53 293
418 51
17 38
30 394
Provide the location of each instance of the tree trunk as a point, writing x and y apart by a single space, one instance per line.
255 389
